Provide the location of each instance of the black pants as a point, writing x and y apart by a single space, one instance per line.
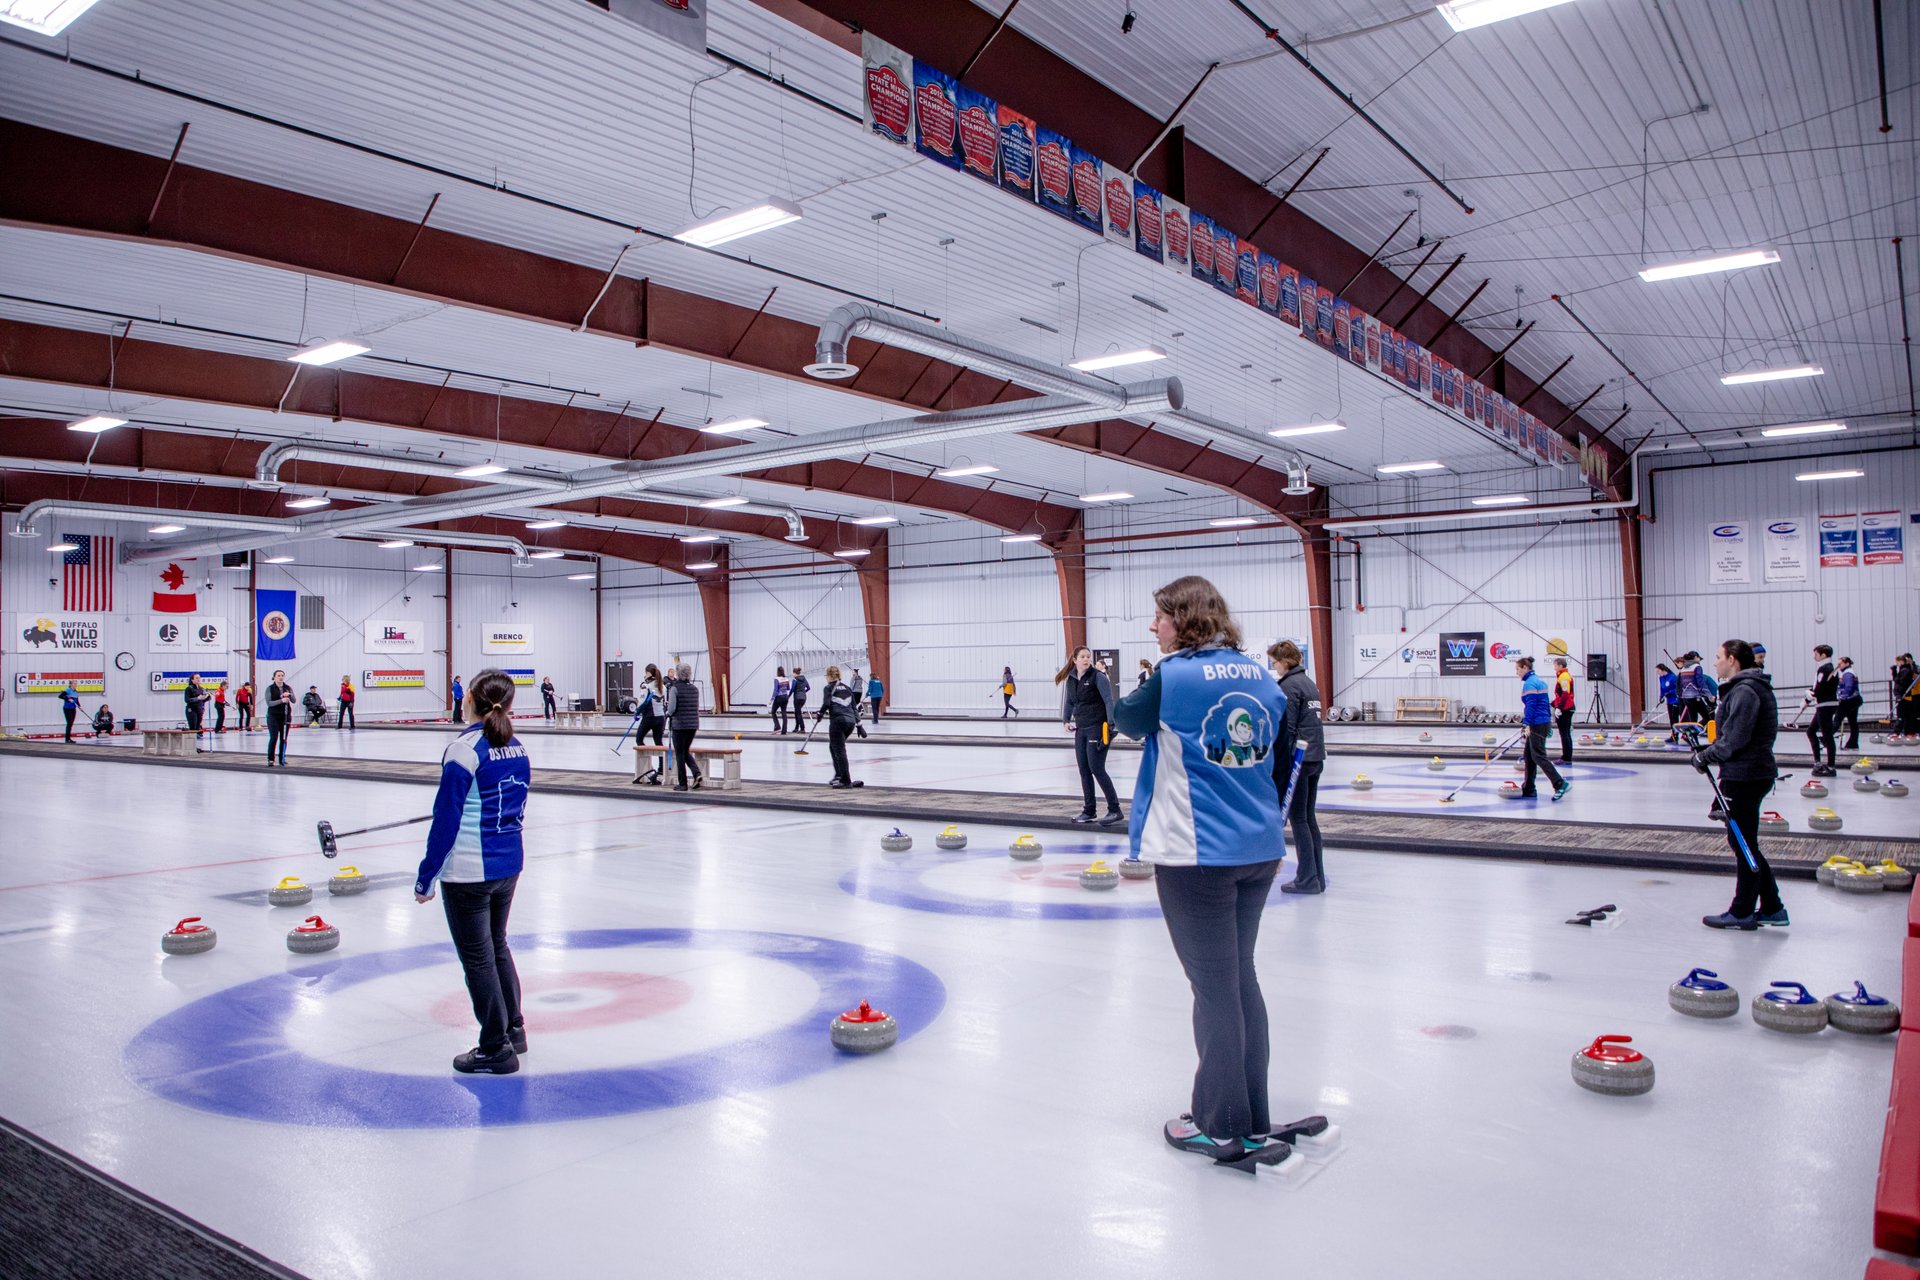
1820 732
548 705
1673 718
1564 719
655 725
1907 716
1848 714
1752 884
459 712
875 704
1009 707
683 761
345 719
1213 917
69 713
477 918
277 738
195 714
219 717
245 714
837 734
1537 761
1304 821
779 712
1090 753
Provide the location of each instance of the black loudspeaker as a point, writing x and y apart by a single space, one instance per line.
1597 667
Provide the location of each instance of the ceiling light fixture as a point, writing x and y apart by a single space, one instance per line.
64 547
734 501
480 469
328 352
1232 522
546 555
1313 429
1771 375
1400 468
1021 537
1114 360
580 577
765 216
1804 429
168 528
395 545
43 17
732 425
1830 475
875 520
1465 15
546 524
426 568
978 469
97 423
309 502
1503 500
279 559
853 553
1707 266
704 564
699 537
1118 495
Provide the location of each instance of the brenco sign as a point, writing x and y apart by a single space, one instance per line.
499 638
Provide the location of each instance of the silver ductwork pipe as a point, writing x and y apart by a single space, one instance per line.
25 524
434 538
634 477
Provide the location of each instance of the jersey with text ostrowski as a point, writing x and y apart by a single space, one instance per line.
1205 793
477 813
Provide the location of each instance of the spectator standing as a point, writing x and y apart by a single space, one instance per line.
279 717
346 719
459 695
243 706
1906 698
548 703
220 708
1564 705
683 721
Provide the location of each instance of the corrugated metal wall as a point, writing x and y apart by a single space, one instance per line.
1870 614
647 615
807 620
964 606
558 614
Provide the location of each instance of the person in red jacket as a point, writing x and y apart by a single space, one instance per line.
346 720
220 708
243 705
1564 704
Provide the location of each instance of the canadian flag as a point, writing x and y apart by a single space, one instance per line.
168 597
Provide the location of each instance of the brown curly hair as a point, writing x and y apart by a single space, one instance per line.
1198 613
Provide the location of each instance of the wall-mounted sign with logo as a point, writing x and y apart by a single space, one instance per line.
56 633
1463 653
504 639
393 680
1727 560
382 635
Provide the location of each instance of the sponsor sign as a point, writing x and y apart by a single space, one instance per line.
1017 155
1053 169
1420 651
520 675
1839 542
167 635
1463 653
888 106
25 682
1375 655
175 681
1786 551
273 625
1149 226
1727 559
1116 198
499 638
56 633
936 115
682 21
1881 538
207 635
393 635
979 134
370 680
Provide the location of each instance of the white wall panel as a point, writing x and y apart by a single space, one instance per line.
801 619
490 589
647 615
964 606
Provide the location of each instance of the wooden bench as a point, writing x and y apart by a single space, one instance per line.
726 757
1425 709
576 719
167 742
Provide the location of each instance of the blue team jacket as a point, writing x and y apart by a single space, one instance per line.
1205 793
1670 688
1536 700
477 813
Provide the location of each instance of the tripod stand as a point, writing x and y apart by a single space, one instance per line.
1596 714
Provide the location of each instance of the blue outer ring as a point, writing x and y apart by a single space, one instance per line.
226 1053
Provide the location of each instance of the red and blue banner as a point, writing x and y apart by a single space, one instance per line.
979 126
936 115
1149 230
1053 167
1016 153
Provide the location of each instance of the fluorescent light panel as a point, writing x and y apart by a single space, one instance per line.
704 564
97 423
691 538
546 555
1707 266
279 559
1465 15
580 577
853 553
875 520
309 502
735 501
64 547
1021 537
328 352
168 528
43 17
1401 468
765 216
1771 375
479 469
1118 495
1503 500
732 425
1804 429
1312 429
426 568
978 469
395 545
1114 360
1232 522
546 524
1830 475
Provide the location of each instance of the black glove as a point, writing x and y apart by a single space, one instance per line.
1699 762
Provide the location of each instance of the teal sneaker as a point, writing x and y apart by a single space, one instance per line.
1562 789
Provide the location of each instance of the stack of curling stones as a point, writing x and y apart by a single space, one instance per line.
896 841
1857 877
1608 1066
951 839
1814 789
290 892
314 936
1361 782
1864 766
346 882
1894 789
1025 849
1862 1013
1789 1007
1436 765
864 1030
188 938
1823 819
1771 823
1098 875
1135 869
1702 995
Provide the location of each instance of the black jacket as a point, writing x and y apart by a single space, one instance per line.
276 709
800 687
1299 723
683 705
840 704
1086 702
1826 686
1745 725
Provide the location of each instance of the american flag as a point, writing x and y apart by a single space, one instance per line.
87 574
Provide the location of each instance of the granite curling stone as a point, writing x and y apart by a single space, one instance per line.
1607 1066
1488 739
1862 1013
290 892
1858 878
1436 765
1361 782
1814 789
1701 995
1135 869
1864 766
1825 872
314 936
1894 876
1099 875
1823 820
896 841
864 1030
346 882
1789 1007
1510 790
1866 783
1425 736
1025 849
951 839
1878 739
188 938
1771 823
1894 789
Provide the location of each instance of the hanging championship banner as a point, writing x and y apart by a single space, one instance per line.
1839 542
1116 189
1149 228
504 639
979 126
56 633
1177 238
1087 189
1727 553
384 635
682 21
1882 540
1200 244
1288 308
936 115
1308 301
1246 272
1786 551
1226 261
1053 169
1269 270
1017 158
887 108
273 625
57 681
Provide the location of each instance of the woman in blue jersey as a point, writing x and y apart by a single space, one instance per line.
473 852
1206 813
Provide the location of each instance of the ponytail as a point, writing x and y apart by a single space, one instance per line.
492 694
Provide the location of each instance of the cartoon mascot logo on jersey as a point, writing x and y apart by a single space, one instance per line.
1237 733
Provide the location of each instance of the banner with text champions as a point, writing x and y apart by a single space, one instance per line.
388 635
1786 551
1840 542
888 106
1882 539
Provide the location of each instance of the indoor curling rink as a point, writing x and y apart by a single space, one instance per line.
681 1110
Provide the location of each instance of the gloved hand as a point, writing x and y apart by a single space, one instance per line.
1699 762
